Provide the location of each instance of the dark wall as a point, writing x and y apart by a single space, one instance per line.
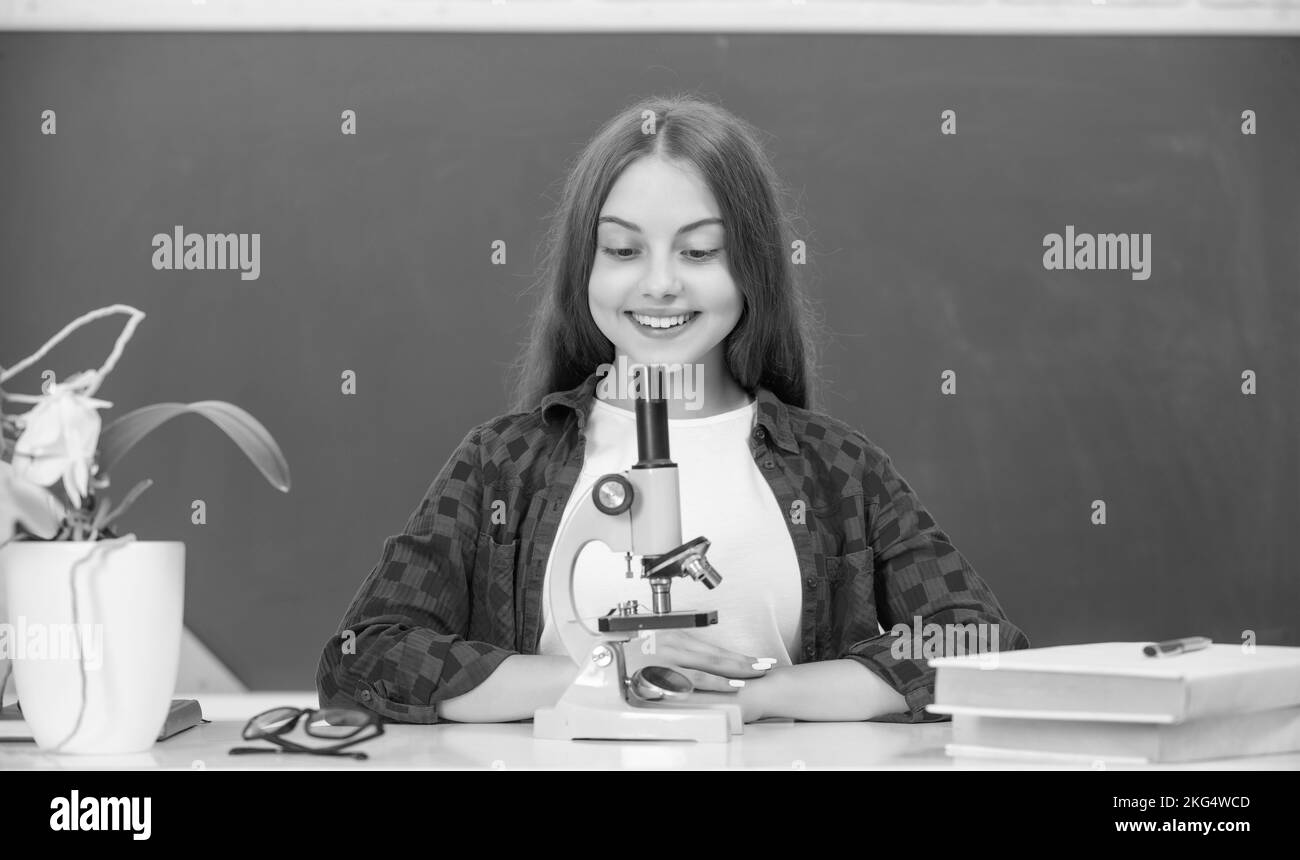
925 254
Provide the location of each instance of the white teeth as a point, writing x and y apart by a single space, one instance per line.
661 322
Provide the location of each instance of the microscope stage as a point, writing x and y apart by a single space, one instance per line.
651 621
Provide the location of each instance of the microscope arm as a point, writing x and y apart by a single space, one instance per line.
585 525
641 516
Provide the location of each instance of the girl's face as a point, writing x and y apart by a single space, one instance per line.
660 288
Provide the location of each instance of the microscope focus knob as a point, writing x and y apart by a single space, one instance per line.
612 494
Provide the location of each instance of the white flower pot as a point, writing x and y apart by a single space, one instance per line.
129 614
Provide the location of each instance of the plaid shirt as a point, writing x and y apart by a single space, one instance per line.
459 591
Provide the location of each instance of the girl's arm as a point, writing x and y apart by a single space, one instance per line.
526 682
518 687
826 691
920 580
400 649
829 690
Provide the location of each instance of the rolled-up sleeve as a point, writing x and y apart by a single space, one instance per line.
920 579
400 648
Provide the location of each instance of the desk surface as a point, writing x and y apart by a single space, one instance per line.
781 745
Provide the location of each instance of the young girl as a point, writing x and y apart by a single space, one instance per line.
668 248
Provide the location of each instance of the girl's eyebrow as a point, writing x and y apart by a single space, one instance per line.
694 225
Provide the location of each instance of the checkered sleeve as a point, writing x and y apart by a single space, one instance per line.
921 579
400 648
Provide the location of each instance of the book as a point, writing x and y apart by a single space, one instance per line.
183 714
1248 733
1025 759
1115 681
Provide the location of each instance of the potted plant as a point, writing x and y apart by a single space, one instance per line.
92 630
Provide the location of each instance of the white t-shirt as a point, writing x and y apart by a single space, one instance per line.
725 498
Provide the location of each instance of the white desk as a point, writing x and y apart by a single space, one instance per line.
782 745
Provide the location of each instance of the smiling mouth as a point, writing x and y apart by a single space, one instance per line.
662 323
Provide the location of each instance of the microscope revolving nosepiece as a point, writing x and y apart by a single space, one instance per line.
689 559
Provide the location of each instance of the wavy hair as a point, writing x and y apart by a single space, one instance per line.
774 343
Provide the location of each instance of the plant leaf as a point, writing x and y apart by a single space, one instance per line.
126 503
243 429
103 506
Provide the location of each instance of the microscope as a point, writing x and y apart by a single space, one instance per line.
637 512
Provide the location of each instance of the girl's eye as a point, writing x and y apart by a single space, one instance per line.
694 254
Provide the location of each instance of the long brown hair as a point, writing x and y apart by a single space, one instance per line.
775 341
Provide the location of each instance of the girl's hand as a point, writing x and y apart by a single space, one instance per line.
708 666
752 698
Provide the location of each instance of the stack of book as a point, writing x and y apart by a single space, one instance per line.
183 714
1108 701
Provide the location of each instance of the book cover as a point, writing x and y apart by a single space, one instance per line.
1248 733
1116 681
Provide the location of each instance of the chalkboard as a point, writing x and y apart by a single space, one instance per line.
926 255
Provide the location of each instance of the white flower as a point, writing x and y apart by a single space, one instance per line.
23 502
59 438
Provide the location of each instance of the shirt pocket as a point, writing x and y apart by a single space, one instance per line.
851 581
492 592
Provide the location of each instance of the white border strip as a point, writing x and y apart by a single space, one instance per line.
1050 17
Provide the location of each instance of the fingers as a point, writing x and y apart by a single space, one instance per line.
728 664
722 661
680 648
714 683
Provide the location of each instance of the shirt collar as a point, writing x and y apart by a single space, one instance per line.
772 413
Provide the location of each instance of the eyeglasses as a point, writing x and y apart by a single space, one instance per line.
344 726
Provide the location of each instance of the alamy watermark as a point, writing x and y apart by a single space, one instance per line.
627 381
1120 251
927 641
181 250
75 812
37 641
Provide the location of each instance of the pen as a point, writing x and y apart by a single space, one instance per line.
1174 647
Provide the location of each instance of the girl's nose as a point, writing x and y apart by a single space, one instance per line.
661 280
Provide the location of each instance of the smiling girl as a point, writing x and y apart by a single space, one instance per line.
668 248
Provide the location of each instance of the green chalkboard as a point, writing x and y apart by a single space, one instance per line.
925 253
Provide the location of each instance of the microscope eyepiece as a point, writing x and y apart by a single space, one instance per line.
652 421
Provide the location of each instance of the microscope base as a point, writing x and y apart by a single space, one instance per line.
735 719
596 707
568 721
